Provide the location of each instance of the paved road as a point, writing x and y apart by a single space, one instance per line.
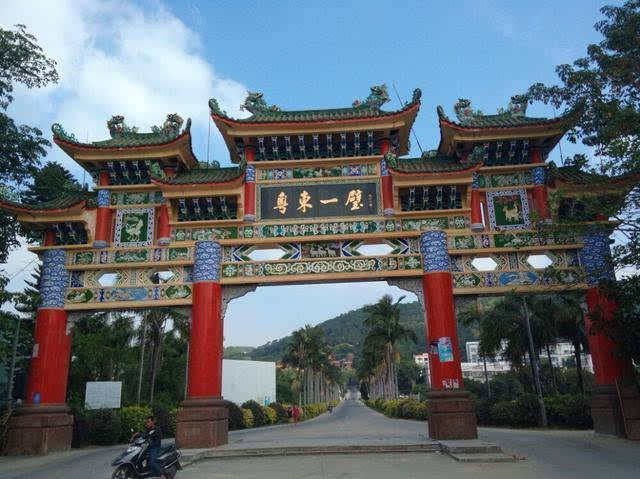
350 423
550 454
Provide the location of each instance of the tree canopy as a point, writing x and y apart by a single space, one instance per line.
22 62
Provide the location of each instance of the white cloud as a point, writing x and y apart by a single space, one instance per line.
113 57
116 58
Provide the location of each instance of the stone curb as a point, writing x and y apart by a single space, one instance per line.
463 451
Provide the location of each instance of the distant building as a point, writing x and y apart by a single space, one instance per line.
562 355
344 363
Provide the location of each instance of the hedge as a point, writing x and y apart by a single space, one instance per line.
111 426
132 419
236 418
105 427
247 417
270 414
259 418
281 412
563 410
400 408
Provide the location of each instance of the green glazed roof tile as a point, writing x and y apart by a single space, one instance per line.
573 174
369 108
505 120
203 175
122 140
437 164
65 200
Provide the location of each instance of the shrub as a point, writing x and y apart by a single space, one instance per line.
247 418
259 419
173 418
483 411
567 410
163 420
105 427
401 408
414 409
270 414
132 419
313 410
528 411
236 418
81 428
503 413
281 412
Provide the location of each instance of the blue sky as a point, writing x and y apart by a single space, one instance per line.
144 59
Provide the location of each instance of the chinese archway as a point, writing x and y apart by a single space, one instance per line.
317 185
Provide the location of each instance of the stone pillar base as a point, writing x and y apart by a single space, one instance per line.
35 430
202 423
606 411
451 415
629 394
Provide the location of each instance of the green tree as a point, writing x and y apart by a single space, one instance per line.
308 352
100 351
48 182
605 86
472 316
385 330
22 62
511 320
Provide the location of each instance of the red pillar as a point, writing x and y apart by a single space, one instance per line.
451 409
43 424
203 418
476 210
205 348
49 368
442 336
103 215
540 195
387 180
164 230
598 266
606 366
608 369
250 184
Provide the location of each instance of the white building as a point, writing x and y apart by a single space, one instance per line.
561 353
473 368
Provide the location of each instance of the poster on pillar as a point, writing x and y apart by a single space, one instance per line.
508 209
134 227
445 349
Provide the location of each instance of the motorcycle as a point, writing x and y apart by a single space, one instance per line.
133 462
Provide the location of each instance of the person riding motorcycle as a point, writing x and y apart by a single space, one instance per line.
153 434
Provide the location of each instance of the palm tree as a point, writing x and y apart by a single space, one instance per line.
385 330
471 316
570 324
156 320
510 320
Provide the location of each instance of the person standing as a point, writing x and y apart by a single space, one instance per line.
296 414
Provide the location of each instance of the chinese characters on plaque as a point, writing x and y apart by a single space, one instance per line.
321 200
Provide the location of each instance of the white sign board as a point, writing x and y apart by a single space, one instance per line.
245 380
103 395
